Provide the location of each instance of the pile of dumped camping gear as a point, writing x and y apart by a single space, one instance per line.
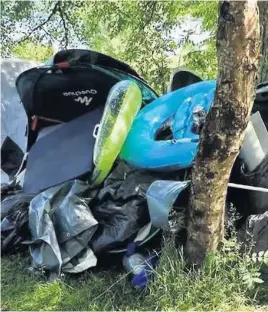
105 165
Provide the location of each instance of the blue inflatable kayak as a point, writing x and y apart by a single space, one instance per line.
142 150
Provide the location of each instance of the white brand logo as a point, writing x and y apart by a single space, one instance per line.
84 100
77 93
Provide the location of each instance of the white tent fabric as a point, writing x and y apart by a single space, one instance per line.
4 177
13 117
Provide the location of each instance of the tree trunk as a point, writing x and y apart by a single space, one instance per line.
263 71
220 140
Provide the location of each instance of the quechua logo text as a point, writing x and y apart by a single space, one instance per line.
84 97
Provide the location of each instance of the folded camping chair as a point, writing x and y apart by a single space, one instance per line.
66 98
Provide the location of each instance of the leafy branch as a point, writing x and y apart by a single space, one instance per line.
66 31
40 26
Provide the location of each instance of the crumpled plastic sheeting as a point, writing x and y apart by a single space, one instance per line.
161 197
61 226
70 223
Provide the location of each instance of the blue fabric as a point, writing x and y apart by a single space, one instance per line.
142 280
131 248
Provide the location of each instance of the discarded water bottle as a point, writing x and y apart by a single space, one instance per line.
135 263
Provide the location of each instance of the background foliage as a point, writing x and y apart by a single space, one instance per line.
152 36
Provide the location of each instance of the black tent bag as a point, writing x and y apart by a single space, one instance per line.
62 94
72 84
92 57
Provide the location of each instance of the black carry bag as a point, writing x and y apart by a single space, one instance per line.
73 83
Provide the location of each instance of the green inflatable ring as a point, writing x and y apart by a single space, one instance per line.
122 105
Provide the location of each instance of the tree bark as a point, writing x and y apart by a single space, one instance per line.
263 68
238 45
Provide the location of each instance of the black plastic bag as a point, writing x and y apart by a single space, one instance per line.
121 206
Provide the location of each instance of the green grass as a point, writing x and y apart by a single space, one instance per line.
218 286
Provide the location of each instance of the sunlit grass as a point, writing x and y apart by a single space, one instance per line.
218 286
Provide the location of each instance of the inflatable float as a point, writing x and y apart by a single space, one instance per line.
179 110
122 105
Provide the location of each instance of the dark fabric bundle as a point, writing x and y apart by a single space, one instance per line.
249 202
14 226
9 189
121 206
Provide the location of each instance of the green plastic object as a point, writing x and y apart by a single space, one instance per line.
122 105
